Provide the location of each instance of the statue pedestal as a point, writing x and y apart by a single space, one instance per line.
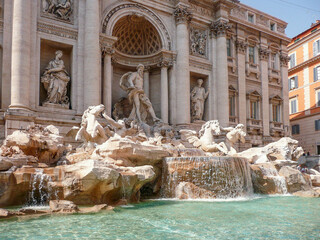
56 106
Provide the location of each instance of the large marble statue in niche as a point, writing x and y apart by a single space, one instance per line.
58 8
132 83
55 81
198 97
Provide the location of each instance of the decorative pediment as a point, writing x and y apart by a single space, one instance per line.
254 95
232 91
275 99
252 40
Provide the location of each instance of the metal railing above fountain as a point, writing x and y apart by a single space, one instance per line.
206 178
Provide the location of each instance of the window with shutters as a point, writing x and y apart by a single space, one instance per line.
276 113
232 101
316 73
251 17
317 125
272 26
293 83
295 129
276 102
252 58
293 105
316 47
292 62
254 110
274 61
229 53
318 98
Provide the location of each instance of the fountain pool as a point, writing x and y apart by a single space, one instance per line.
279 217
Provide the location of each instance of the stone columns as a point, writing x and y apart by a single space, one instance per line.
172 92
284 59
107 79
264 58
241 54
164 91
219 29
212 98
92 54
183 16
146 81
21 50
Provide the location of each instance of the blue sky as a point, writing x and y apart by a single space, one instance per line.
299 14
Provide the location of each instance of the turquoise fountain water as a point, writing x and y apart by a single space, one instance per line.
259 218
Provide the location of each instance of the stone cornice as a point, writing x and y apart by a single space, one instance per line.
261 29
182 14
220 28
58 31
305 63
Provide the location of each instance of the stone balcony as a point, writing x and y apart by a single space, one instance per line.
233 120
276 129
254 126
274 75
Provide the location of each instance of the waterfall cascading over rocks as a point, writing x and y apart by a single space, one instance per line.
206 177
279 181
41 191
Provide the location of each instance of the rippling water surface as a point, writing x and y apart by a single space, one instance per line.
258 218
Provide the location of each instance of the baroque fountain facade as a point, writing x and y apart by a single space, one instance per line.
136 103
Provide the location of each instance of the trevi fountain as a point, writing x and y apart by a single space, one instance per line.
139 178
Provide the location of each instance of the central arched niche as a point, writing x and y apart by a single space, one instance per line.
138 42
136 36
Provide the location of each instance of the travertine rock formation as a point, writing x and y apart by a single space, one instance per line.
284 149
36 144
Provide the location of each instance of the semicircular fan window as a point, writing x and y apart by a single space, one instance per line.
136 36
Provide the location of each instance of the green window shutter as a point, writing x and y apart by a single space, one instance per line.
296 82
315 75
315 50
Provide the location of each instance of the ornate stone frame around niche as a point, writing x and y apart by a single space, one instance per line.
115 12
44 57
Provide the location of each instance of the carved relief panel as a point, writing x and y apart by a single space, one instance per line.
58 9
198 42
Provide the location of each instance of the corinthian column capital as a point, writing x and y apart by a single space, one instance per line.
182 15
284 59
106 50
241 46
220 28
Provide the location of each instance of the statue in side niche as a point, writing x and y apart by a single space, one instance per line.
55 80
198 97
132 83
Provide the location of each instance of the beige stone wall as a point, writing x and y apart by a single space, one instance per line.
308 137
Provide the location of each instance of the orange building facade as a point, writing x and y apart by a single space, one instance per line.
304 88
